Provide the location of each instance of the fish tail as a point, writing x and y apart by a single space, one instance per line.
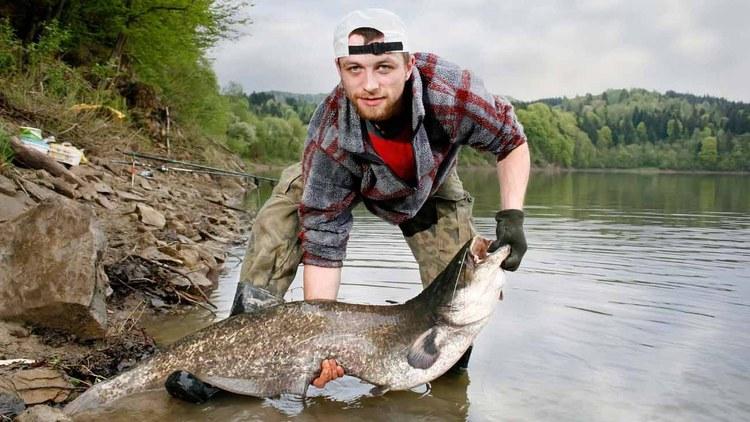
135 380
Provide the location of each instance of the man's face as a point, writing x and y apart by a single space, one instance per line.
374 83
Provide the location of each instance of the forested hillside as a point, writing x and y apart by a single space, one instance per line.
638 128
617 129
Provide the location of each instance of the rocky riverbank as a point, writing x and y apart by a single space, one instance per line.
86 257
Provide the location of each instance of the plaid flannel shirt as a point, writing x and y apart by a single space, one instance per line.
449 106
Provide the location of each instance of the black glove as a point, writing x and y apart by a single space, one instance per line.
510 232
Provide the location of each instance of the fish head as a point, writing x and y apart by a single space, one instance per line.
478 281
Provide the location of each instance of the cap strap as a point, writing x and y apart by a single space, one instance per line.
376 48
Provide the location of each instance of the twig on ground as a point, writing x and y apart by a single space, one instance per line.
176 271
189 298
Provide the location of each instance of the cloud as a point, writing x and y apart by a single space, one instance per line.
528 51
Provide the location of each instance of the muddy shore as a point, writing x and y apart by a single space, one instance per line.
166 234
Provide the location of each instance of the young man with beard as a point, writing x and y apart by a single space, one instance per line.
387 136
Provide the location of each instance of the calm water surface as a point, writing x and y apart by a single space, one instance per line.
632 303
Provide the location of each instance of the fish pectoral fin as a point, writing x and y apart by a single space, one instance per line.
378 391
246 387
282 383
424 351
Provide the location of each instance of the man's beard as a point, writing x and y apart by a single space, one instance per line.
378 114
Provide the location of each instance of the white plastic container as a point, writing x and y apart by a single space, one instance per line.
65 153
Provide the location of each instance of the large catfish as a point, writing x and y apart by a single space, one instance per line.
279 349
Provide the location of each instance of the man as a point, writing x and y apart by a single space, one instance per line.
387 136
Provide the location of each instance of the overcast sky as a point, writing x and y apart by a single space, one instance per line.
525 49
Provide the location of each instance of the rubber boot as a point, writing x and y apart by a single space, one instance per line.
463 363
185 386
249 298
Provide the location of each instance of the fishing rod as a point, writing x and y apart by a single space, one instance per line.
202 167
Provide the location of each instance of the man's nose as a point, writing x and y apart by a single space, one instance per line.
371 82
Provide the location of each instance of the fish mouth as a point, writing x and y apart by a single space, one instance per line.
480 251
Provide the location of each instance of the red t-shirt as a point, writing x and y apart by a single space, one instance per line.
397 152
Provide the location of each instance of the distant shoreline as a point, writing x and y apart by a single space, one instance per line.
640 170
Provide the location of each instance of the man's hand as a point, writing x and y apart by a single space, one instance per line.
510 232
329 371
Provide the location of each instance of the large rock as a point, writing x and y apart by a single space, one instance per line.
50 269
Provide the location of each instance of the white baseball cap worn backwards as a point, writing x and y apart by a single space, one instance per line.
385 21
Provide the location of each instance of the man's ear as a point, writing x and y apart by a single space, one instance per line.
410 66
338 66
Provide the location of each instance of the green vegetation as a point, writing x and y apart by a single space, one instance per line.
146 58
637 128
6 152
265 127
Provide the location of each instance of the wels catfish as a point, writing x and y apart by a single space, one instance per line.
279 349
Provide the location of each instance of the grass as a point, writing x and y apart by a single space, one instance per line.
6 152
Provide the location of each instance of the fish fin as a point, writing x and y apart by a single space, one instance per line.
242 386
378 391
248 387
424 351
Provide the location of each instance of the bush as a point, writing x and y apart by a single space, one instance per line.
10 49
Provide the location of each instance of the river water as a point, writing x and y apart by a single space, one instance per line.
632 303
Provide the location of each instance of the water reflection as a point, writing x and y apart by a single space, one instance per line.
343 400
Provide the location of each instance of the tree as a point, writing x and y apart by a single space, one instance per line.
674 129
604 138
641 132
708 154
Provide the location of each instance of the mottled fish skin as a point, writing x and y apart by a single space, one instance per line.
279 349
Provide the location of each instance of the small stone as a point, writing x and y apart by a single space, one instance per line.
64 187
207 235
103 188
185 240
7 186
43 178
189 256
145 184
127 196
106 203
154 254
85 172
11 207
43 414
193 278
151 217
88 192
113 168
18 331
40 193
